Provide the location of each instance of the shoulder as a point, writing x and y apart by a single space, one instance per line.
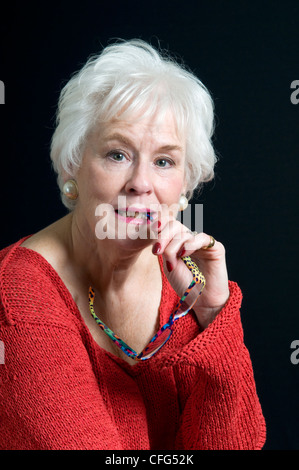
30 289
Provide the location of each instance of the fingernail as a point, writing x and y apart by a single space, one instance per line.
156 225
181 252
156 248
169 266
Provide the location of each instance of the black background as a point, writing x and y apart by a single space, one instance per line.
247 54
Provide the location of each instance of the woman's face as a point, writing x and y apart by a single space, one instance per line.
131 171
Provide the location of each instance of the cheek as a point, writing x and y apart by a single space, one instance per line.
170 190
95 185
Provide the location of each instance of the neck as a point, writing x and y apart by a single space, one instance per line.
107 265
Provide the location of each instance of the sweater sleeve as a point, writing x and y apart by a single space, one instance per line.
216 387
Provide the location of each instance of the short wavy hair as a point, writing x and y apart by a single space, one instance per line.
127 79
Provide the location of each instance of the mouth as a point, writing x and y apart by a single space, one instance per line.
135 215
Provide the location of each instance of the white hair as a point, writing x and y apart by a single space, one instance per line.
127 78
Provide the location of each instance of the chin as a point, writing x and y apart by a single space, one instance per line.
126 235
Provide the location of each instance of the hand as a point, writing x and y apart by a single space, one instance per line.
174 241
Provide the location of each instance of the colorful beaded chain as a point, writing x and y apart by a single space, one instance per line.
198 278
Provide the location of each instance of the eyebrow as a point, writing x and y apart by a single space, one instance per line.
126 141
119 137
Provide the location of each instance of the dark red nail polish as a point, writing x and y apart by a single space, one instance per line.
156 225
182 252
156 248
169 266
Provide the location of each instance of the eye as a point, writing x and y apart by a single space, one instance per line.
164 163
116 156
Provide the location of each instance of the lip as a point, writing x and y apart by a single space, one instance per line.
135 208
135 220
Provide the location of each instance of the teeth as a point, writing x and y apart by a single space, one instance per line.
142 215
139 215
122 213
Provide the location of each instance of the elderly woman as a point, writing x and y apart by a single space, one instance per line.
120 326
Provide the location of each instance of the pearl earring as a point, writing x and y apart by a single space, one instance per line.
183 203
70 189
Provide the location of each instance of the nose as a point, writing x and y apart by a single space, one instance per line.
140 179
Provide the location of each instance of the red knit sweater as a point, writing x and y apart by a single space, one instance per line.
60 390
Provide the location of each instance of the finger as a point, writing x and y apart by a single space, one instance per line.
165 215
201 241
170 243
164 234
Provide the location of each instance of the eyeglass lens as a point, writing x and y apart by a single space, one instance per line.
157 343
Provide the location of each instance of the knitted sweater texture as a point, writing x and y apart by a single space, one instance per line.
60 390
